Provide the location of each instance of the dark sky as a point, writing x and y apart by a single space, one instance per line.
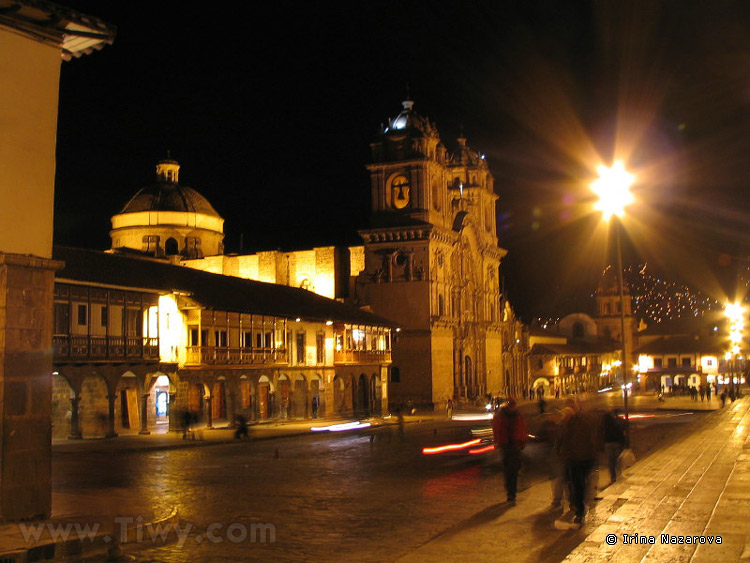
270 109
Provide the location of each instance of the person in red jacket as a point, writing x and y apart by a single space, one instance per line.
509 431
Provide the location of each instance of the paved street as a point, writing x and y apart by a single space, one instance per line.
327 497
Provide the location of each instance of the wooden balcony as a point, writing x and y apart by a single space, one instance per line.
214 355
103 348
362 356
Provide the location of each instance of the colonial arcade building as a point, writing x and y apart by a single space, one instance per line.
137 342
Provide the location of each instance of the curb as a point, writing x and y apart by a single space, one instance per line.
203 443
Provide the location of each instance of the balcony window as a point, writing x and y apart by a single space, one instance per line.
301 347
320 347
82 315
686 362
220 338
103 316
658 363
62 318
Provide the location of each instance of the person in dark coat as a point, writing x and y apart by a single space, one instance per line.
510 434
578 446
614 440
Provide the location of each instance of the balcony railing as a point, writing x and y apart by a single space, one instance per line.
216 355
67 346
361 356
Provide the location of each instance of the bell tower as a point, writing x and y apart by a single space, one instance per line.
431 263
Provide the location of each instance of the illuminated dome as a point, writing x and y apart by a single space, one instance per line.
409 121
166 194
166 218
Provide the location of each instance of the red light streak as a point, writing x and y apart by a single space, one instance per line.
482 450
450 447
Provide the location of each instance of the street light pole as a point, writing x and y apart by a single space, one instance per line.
613 189
624 364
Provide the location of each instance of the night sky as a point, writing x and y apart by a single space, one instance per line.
270 109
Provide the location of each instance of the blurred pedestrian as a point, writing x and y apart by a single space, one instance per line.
548 432
400 421
449 408
241 432
578 446
510 434
614 441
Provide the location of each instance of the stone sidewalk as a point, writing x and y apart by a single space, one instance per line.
698 486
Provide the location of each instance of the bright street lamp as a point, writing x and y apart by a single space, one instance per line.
612 187
735 313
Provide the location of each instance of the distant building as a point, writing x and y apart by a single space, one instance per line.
571 357
673 355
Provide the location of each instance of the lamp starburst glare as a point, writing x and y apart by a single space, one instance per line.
612 188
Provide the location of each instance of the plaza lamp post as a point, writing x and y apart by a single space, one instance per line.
612 187
735 314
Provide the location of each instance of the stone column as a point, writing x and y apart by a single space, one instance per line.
144 414
26 298
75 425
174 424
209 411
231 407
111 432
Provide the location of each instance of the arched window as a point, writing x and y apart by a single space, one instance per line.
171 247
578 330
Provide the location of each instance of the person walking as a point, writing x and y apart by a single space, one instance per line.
510 434
614 441
449 408
578 446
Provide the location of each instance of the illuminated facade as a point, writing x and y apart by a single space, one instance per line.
571 357
431 264
687 352
138 341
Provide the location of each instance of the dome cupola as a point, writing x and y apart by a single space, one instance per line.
167 218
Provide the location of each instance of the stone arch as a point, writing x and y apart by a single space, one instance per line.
93 407
363 395
283 395
127 410
265 391
339 395
248 390
317 399
376 394
542 382
219 410
299 397
62 395
171 247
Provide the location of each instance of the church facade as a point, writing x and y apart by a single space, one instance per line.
431 264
